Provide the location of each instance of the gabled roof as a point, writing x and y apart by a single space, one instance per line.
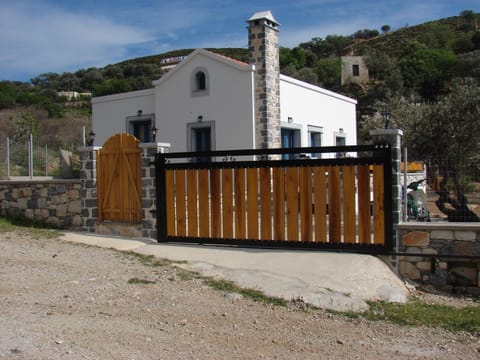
239 65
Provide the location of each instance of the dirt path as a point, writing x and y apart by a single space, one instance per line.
66 301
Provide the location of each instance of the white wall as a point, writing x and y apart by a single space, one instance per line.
311 105
229 103
109 113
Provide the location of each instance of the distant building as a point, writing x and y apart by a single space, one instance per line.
212 102
354 70
73 94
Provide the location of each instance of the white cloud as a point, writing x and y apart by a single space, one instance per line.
38 39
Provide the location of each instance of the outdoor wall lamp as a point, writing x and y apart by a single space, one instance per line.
139 112
290 119
91 138
154 133
200 118
386 117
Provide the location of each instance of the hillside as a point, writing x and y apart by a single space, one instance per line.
419 62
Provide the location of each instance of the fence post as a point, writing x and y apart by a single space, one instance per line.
8 157
30 157
393 137
149 193
88 179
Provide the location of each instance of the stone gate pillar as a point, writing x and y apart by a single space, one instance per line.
149 194
393 137
88 179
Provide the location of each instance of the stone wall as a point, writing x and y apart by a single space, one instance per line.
442 246
55 202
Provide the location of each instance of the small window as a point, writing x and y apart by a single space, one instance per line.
200 81
141 126
356 70
315 141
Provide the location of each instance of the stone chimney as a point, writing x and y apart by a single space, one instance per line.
264 53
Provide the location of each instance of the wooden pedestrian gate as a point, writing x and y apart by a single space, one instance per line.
119 180
254 197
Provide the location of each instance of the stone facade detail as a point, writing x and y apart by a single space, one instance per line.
264 53
88 179
56 203
149 194
450 271
416 238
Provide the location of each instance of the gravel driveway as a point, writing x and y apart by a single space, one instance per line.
65 301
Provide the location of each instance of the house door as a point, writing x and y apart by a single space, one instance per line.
202 141
290 139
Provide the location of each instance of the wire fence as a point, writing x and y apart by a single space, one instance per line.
26 158
451 191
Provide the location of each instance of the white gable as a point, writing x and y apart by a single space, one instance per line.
208 55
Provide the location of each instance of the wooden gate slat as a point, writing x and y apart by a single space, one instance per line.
292 203
215 218
227 208
170 202
111 167
279 203
265 205
378 206
192 211
180 202
363 204
240 223
320 194
349 220
252 203
306 204
334 205
203 195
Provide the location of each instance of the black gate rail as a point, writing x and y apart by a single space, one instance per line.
263 158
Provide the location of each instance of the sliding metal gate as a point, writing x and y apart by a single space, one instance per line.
326 198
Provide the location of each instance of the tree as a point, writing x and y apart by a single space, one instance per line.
437 36
308 75
26 124
295 56
445 134
385 28
427 70
469 20
7 95
384 68
332 45
469 65
328 71
112 86
365 34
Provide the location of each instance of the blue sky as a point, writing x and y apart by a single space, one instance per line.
39 36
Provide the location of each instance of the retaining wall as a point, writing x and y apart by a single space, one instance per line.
442 246
54 202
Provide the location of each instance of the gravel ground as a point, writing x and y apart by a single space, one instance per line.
65 301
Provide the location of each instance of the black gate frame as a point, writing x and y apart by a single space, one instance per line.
382 155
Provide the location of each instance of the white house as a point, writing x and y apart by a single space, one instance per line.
211 102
